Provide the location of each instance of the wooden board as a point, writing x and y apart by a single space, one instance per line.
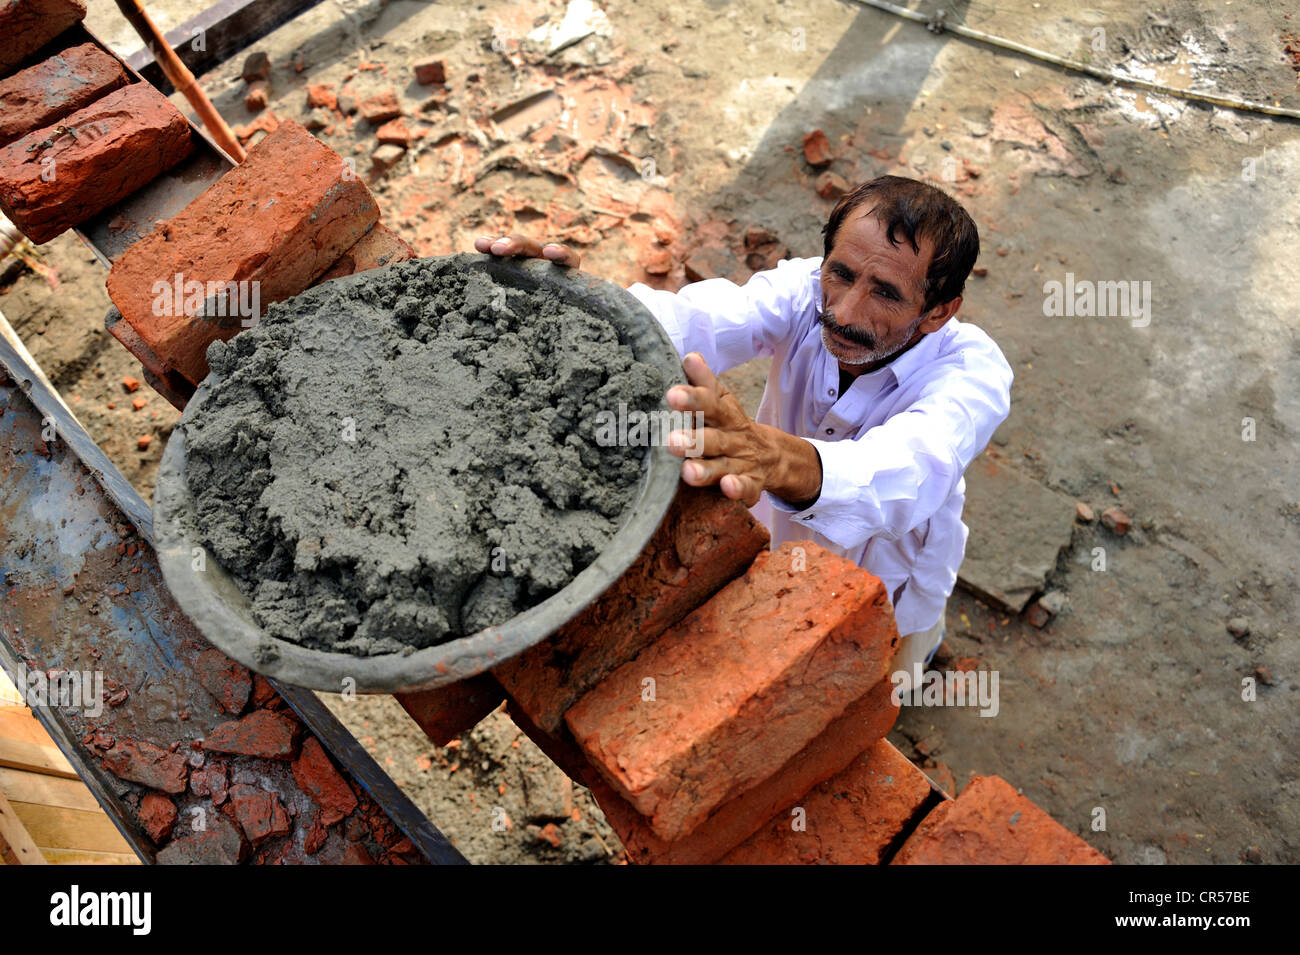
17 847
34 758
56 828
20 786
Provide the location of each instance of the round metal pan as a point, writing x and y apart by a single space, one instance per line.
221 611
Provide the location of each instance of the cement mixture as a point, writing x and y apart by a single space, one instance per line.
397 459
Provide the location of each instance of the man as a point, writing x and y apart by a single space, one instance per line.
877 401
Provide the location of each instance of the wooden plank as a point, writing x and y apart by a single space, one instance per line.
18 723
70 828
78 857
16 844
35 759
20 786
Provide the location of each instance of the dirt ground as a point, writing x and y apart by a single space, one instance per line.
657 141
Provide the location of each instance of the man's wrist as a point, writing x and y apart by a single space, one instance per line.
796 470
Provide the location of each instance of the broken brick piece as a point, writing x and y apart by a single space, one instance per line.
447 711
380 108
27 25
158 816
259 813
315 836
149 765
320 95
853 818
429 72
831 185
817 149
379 247
739 686
218 843
395 132
261 733
704 541
836 747
257 96
318 778
989 824
210 781
56 87
225 679
278 220
59 176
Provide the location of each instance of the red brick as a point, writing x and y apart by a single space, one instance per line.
218 843
261 733
395 132
146 764
817 149
704 541
989 824
225 679
853 818
264 695
100 155
158 816
315 836
831 185
1116 520
210 781
446 712
257 96
317 777
282 217
259 813
381 107
56 87
321 95
379 247
27 25
430 72
742 684
856 730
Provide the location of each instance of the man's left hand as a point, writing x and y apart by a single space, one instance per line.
744 458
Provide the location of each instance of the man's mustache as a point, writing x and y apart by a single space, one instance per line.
847 332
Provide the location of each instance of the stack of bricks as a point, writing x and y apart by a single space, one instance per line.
80 133
77 135
727 704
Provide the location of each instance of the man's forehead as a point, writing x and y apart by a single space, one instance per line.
863 235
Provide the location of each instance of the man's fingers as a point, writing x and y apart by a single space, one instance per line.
698 371
521 246
561 255
741 487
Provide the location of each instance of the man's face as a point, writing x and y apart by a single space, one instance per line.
871 292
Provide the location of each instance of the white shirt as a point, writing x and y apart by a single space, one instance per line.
893 448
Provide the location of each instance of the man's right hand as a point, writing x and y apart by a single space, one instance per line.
522 246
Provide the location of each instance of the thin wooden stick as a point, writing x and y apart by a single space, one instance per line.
179 76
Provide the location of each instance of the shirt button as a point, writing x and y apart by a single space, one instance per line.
831 392
830 430
808 517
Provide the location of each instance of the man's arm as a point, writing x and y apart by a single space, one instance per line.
895 477
728 324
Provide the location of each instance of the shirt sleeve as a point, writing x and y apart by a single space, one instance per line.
895 477
728 323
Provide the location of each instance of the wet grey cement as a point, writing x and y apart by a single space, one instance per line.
394 463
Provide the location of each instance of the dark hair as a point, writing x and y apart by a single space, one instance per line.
917 210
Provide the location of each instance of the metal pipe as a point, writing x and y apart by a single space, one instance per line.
939 25
179 76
